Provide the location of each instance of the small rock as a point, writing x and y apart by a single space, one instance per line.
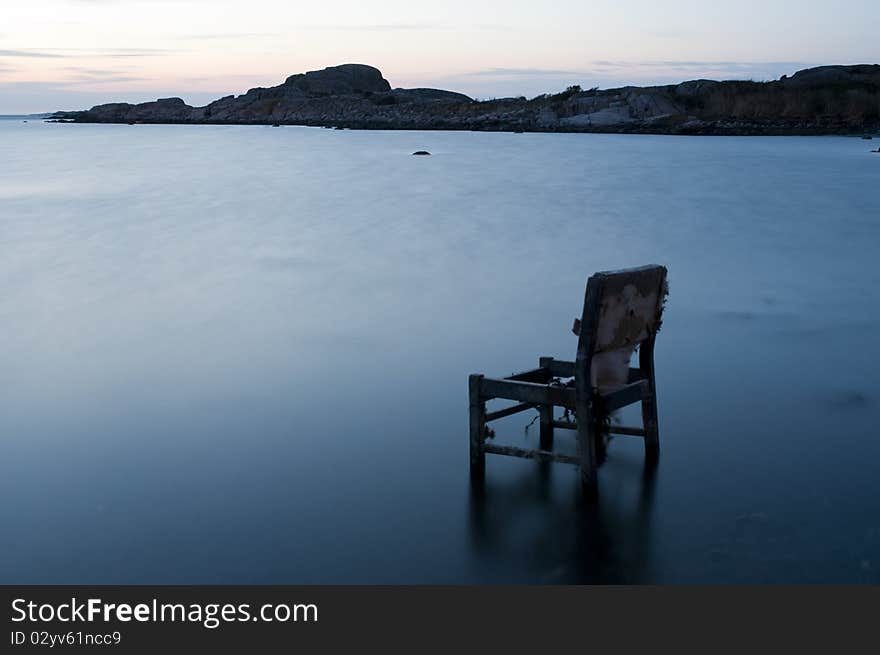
755 518
848 400
421 152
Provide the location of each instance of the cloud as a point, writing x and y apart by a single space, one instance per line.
63 53
229 35
139 2
29 53
95 80
83 75
127 52
381 27
691 63
225 78
120 54
522 72
91 71
700 68
38 97
399 27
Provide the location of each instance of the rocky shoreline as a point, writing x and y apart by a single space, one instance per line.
829 100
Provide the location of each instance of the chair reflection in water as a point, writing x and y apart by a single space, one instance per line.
622 312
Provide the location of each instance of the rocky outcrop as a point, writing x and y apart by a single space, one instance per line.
164 110
824 100
340 80
858 74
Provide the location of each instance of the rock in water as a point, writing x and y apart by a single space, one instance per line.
421 152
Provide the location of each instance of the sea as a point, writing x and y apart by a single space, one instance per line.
239 354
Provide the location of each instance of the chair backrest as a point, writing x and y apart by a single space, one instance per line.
621 310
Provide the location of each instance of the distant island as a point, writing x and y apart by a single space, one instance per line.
823 100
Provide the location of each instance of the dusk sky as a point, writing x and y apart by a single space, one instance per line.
72 54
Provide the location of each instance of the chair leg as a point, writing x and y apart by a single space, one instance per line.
546 412
649 403
477 428
649 420
587 449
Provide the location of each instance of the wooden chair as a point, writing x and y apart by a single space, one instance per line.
622 312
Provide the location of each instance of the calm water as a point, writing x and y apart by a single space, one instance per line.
240 355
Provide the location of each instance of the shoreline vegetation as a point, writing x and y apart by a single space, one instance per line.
828 100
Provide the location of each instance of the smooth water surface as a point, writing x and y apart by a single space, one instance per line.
240 355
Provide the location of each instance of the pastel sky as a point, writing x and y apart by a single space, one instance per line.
72 54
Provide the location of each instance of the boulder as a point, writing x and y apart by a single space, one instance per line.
340 80
430 95
695 87
651 105
604 117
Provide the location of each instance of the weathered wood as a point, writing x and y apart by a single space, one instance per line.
628 313
629 307
527 392
508 411
546 412
562 369
477 426
537 375
545 455
613 429
558 368
546 419
635 374
586 437
631 393
626 431
649 402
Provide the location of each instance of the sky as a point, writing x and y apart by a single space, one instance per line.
73 54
